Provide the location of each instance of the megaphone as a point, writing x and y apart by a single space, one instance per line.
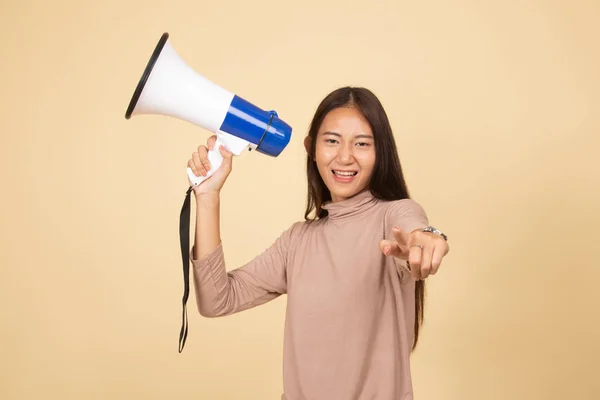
170 87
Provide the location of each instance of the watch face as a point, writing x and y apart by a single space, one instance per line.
436 231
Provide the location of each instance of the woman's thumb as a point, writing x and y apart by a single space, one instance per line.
227 157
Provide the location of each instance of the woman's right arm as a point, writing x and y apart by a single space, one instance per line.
208 234
219 292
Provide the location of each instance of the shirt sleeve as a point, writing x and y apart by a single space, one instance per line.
407 215
220 293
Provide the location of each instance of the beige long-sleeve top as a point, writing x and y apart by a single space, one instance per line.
350 309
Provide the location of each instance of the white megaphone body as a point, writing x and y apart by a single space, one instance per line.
170 87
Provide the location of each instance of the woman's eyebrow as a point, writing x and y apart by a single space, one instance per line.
360 136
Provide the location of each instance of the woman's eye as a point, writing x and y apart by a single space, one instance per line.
332 141
362 144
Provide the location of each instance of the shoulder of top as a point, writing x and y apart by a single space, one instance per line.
294 231
297 226
300 227
403 204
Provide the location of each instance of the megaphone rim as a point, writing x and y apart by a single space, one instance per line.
147 71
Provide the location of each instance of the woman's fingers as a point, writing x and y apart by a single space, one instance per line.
426 259
439 251
210 143
203 156
423 251
415 257
199 158
402 238
390 248
192 165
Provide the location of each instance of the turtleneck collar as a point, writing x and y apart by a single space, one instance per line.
355 205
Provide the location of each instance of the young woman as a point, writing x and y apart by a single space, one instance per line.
353 271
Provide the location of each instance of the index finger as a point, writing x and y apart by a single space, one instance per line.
401 237
210 143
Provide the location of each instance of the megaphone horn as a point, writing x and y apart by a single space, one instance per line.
170 87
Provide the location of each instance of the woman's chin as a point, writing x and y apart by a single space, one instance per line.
339 194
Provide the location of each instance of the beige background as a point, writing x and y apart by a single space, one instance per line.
495 109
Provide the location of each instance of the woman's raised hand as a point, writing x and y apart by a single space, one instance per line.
200 165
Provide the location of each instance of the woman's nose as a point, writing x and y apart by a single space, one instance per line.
345 154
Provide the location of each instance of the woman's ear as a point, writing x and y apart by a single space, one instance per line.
307 142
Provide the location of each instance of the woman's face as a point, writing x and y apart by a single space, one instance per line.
345 152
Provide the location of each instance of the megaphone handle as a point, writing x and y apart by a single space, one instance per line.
214 158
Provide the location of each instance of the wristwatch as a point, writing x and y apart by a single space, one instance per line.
436 231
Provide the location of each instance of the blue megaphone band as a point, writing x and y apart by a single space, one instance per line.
262 128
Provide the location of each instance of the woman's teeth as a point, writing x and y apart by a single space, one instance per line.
345 174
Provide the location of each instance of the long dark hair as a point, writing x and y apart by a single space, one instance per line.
387 180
